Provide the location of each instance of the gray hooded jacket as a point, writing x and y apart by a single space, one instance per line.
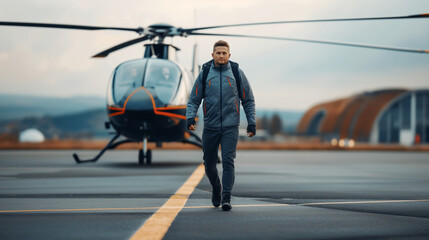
221 105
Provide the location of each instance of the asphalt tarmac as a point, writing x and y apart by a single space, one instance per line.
277 195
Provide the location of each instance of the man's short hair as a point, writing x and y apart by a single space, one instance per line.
220 43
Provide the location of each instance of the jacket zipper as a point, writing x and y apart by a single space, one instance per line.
220 80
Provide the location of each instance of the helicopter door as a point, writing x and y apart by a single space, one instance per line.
164 77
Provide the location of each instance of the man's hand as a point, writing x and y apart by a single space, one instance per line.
192 125
251 130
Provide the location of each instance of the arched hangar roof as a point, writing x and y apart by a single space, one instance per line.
350 117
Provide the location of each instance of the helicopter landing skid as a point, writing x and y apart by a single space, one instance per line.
109 145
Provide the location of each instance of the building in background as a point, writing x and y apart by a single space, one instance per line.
31 135
397 116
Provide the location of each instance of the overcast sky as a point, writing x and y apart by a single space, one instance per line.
284 75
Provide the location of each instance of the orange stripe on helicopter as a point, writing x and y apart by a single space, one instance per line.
122 110
171 115
114 108
171 108
157 111
115 114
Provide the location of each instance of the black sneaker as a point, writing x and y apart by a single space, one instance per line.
226 203
226 206
216 197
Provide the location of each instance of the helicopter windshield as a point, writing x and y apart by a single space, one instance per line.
128 76
163 76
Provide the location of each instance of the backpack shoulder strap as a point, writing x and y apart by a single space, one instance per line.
234 67
206 69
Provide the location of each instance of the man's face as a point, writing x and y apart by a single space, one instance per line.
221 55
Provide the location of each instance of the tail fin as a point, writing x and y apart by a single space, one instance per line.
195 65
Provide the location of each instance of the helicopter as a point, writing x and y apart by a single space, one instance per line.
147 97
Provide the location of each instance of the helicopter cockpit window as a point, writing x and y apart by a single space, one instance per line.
164 77
128 76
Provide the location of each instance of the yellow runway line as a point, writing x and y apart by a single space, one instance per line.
158 224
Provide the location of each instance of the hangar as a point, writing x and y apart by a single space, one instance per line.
393 116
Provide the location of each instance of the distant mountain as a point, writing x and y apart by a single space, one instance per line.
90 124
84 117
20 106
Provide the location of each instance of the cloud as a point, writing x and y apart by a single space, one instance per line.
283 74
327 87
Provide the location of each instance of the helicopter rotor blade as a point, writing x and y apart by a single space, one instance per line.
424 15
68 26
391 48
120 46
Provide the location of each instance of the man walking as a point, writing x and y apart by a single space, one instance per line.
222 85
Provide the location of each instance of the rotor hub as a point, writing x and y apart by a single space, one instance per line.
160 28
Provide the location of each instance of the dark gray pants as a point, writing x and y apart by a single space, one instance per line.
228 141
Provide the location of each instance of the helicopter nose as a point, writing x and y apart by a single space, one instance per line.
141 100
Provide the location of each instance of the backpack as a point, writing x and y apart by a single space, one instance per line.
234 67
